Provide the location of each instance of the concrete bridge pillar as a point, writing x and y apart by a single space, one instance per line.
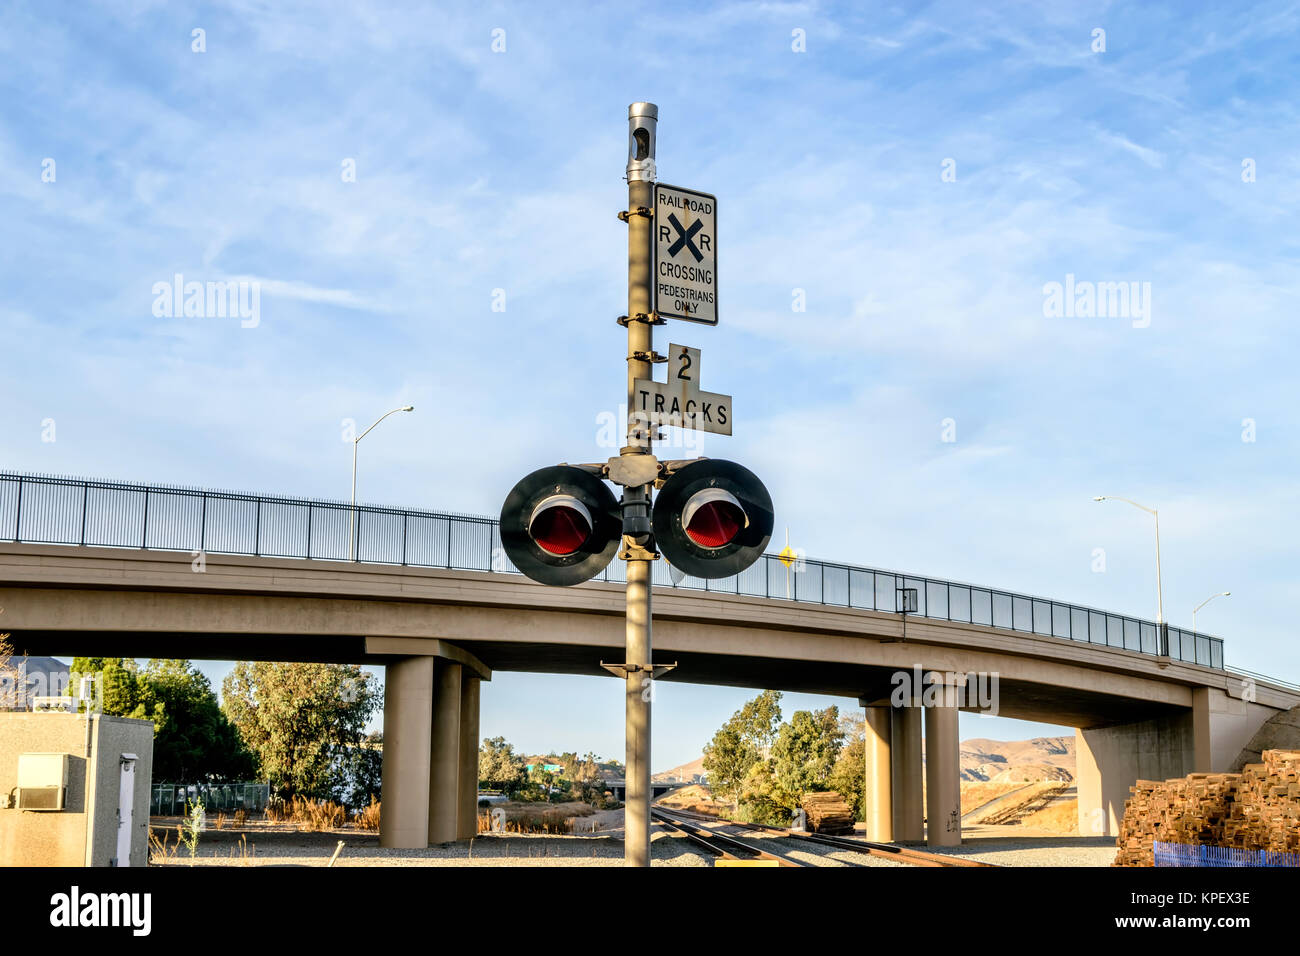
905 771
467 784
943 769
444 753
1208 737
408 702
878 808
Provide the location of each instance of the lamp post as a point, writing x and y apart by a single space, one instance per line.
1162 635
352 523
1202 604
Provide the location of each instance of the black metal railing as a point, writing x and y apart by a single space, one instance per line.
47 509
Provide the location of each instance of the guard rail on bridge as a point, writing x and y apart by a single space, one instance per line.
47 509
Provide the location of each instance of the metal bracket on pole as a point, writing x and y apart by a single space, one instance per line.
651 356
597 469
646 211
627 670
651 318
635 552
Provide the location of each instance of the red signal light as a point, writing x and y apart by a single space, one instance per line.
712 518
560 525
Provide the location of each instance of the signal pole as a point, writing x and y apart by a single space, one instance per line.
561 525
638 545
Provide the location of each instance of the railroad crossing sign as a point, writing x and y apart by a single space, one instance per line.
679 401
686 255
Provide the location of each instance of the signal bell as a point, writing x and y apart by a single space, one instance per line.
712 518
561 525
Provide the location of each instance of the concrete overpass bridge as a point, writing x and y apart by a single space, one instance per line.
106 568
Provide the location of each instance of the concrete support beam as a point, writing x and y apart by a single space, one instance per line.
905 773
1202 758
408 704
444 753
1111 759
943 771
878 809
467 787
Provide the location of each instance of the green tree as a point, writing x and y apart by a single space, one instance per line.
364 773
804 753
193 740
762 800
760 719
301 720
728 758
499 765
123 695
848 779
586 783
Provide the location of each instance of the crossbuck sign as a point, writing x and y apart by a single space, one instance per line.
686 254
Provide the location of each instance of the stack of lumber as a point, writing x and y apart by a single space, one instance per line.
1267 808
1257 809
827 813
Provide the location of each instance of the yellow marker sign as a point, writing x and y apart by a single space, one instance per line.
788 556
746 863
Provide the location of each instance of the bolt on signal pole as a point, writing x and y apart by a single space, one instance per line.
638 545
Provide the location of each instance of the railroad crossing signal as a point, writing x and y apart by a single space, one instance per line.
562 525
712 518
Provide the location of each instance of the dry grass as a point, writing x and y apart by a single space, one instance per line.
160 851
308 814
976 794
368 819
242 853
1061 817
697 799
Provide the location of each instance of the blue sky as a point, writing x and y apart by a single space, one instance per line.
479 170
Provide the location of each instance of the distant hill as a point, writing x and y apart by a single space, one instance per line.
1001 761
1042 758
686 773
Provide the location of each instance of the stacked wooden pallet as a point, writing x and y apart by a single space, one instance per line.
1257 809
827 813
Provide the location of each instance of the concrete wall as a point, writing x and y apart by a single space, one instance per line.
1280 732
1111 759
84 833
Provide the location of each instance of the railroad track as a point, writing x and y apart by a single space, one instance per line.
900 854
723 845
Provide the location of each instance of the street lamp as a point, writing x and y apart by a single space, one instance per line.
1163 637
1203 603
352 555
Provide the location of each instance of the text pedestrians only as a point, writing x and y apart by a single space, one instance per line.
680 401
686 254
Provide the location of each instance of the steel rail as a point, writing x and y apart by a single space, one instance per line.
706 837
883 850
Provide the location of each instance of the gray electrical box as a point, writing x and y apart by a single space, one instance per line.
42 781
